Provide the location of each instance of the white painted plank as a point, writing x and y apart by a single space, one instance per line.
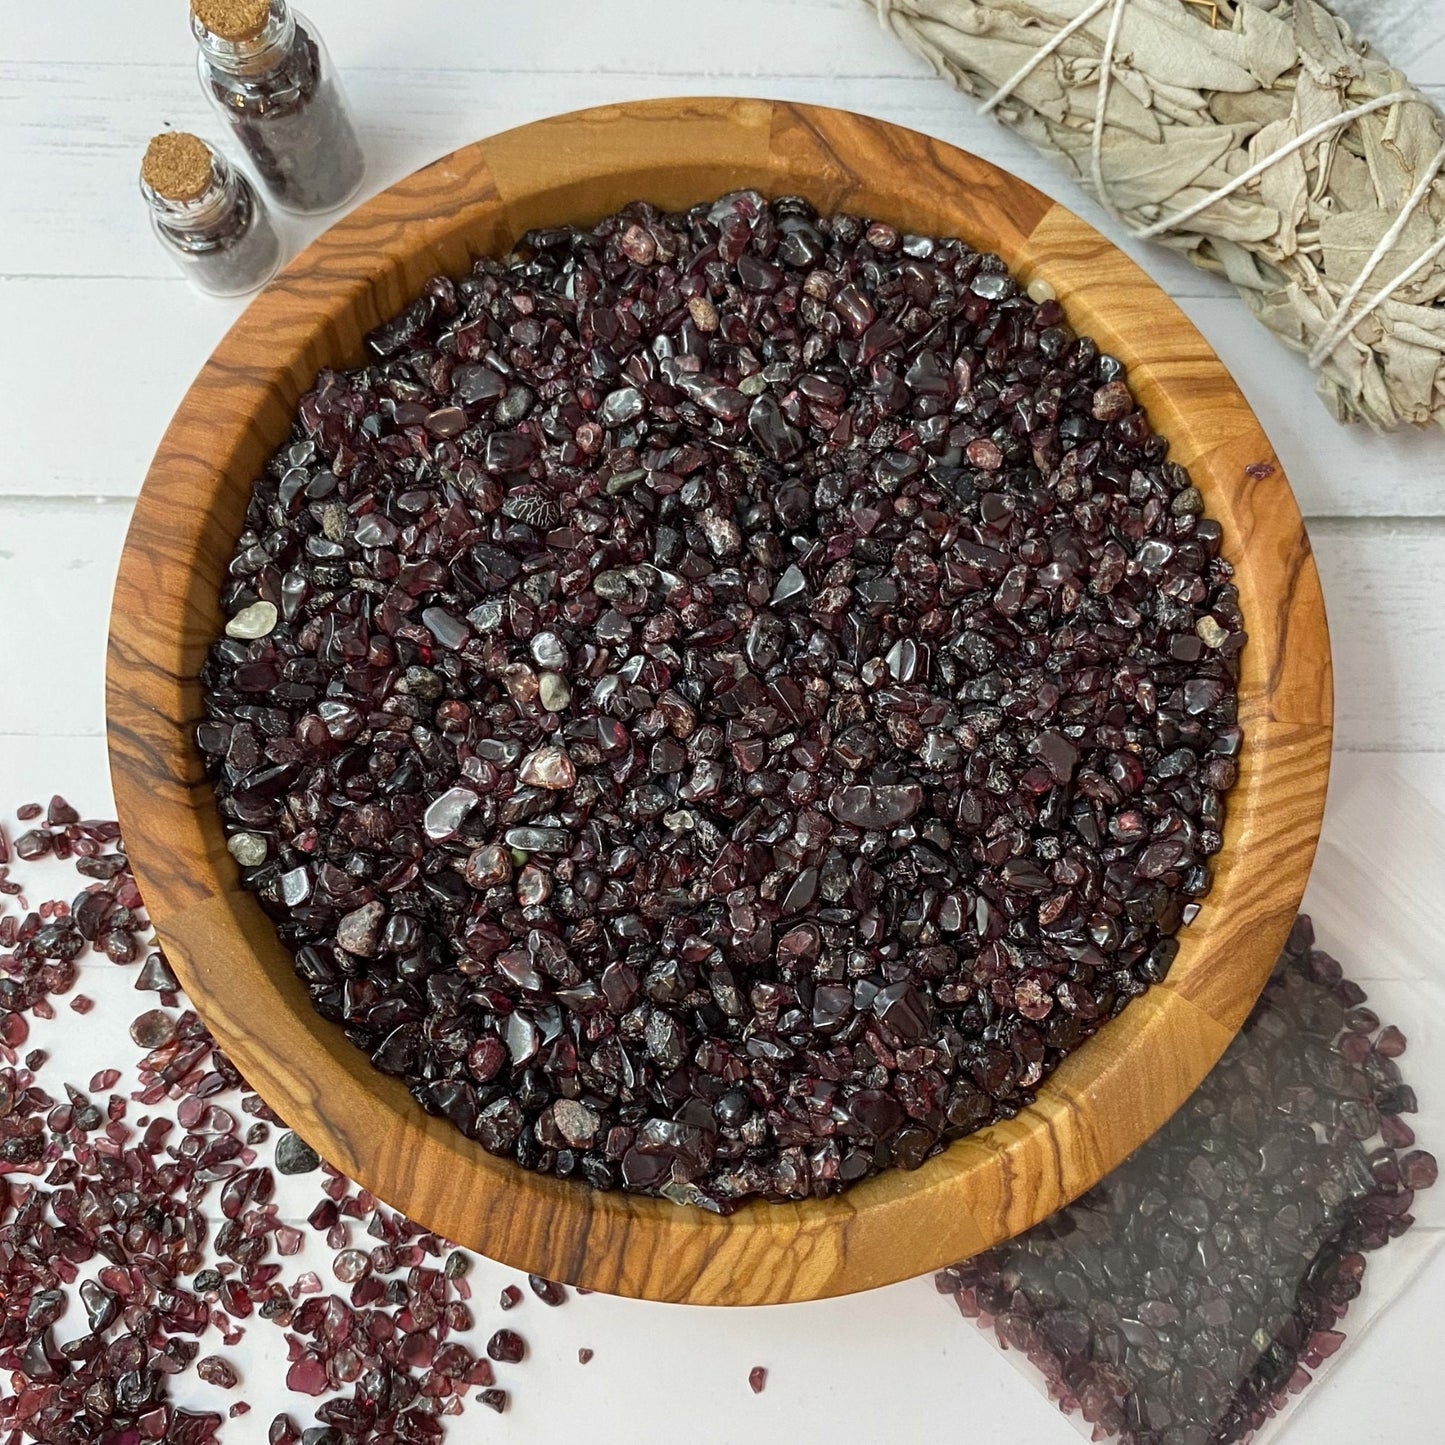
1381 854
1425 773
77 131
69 176
1383 584
93 411
58 556
740 36
57 568
82 86
61 448
411 109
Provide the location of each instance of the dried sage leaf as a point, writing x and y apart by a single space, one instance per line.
1200 91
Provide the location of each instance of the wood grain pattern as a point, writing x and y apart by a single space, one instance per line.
1098 1106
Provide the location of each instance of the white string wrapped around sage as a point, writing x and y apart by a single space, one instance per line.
1257 138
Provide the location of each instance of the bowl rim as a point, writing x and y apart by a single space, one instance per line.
1101 1103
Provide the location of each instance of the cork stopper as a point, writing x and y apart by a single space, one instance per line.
233 20
177 165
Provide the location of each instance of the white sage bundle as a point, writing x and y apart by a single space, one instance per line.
1259 139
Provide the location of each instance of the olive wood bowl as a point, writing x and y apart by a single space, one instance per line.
1106 1098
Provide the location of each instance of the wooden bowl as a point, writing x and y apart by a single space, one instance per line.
1104 1101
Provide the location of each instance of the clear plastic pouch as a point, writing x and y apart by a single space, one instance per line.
1192 1295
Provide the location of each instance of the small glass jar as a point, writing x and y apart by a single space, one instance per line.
208 216
265 70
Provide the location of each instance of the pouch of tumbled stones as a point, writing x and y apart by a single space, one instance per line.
1185 1298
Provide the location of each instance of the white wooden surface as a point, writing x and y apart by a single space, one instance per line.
99 337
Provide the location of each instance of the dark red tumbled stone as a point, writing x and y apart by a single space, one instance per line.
546 1290
1418 1170
216 1371
152 1029
507 1347
1391 1042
